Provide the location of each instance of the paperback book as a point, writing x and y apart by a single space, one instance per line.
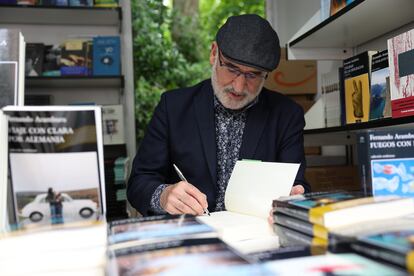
380 104
385 161
401 59
56 163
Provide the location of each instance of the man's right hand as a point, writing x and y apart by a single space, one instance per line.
183 198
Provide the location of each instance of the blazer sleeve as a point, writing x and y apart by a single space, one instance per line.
292 149
150 165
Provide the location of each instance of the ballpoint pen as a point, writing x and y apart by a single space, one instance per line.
182 177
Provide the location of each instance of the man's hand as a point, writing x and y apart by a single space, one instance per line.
183 198
296 190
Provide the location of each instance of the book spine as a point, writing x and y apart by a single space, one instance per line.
297 213
301 226
364 164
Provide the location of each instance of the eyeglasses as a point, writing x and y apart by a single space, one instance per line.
233 72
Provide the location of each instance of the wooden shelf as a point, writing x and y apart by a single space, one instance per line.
359 22
75 82
49 15
387 122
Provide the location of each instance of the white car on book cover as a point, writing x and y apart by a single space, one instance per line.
39 208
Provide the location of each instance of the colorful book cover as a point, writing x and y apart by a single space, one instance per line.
155 228
394 247
35 53
56 164
106 3
386 161
380 94
74 59
177 257
106 56
357 70
401 60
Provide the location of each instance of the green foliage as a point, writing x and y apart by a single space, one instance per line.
163 62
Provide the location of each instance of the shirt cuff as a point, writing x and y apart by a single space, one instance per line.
155 203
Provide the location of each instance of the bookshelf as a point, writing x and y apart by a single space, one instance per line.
53 25
338 36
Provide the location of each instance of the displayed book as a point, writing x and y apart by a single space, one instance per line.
385 161
244 223
290 237
56 163
74 59
12 62
106 56
331 264
106 3
331 95
325 9
81 3
357 71
54 2
3 172
113 124
337 5
394 247
138 231
34 59
175 257
337 209
380 104
51 65
77 248
401 59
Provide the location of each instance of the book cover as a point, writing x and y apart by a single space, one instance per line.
3 172
12 61
155 229
113 124
386 160
56 163
74 58
34 59
337 5
339 209
401 59
395 247
176 257
357 71
106 56
81 3
106 3
380 94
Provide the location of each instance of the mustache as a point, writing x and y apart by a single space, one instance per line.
230 89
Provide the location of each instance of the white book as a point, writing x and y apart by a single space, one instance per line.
56 163
252 187
113 124
3 172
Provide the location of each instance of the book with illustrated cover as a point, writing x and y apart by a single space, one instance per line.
155 228
12 64
74 59
34 59
106 56
336 209
56 163
106 3
380 104
401 59
113 124
337 5
175 257
395 247
385 161
357 71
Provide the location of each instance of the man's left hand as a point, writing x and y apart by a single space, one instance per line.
296 190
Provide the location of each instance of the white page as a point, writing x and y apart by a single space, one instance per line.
253 186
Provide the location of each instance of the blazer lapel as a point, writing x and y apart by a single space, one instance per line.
255 124
204 110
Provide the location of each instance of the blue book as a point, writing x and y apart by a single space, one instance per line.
106 56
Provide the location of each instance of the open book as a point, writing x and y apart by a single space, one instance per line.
252 187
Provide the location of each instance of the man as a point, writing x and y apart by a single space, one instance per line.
205 129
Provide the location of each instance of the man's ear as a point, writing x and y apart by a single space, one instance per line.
213 52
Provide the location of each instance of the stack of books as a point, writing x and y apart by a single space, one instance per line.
344 221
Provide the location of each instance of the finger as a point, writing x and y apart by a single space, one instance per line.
199 196
182 207
172 210
192 203
296 190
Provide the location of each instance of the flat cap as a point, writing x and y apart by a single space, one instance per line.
249 39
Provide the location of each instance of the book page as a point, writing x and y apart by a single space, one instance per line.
254 185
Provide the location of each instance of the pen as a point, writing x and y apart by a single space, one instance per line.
182 177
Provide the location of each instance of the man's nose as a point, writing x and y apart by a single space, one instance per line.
239 83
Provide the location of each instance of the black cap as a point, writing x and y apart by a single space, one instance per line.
249 40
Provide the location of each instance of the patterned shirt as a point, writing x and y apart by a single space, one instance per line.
229 133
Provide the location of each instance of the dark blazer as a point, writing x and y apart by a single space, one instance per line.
182 131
